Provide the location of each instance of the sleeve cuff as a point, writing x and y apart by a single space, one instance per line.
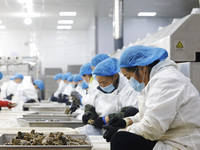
103 118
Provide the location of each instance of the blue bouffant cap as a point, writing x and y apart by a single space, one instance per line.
18 76
84 85
107 67
141 56
58 76
70 78
98 58
77 78
86 69
66 76
39 83
1 75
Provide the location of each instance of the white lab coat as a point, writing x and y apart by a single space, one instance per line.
108 103
169 110
92 86
68 89
79 90
8 88
60 89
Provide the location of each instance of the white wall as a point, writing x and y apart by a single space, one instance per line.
134 28
105 41
57 49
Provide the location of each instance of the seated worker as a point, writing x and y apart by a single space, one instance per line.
27 92
169 105
86 73
5 103
94 62
70 86
63 98
78 83
61 87
113 96
9 88
85 87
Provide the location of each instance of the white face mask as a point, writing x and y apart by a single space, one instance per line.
135 84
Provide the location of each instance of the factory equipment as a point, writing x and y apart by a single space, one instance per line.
181 40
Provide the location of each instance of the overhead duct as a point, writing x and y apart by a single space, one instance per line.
118 24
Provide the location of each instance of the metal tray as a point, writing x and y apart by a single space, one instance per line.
7 137
48 108
50 114
47 122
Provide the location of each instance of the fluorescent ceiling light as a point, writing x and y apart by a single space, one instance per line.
146 13
27 20
73 13
65 21
2 27
32 15
64 27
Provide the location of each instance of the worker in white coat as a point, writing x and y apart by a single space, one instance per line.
9 88
94 62
78 83
112 97
61 87
64 98
27 92
169 105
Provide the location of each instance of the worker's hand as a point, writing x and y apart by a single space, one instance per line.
132 111
9 97
117 122
73 109
87 116
11 105
109 132
60 95
98 123
76 97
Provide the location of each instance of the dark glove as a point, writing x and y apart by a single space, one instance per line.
117 122
60 95
131 112
39 99
109 132
98 123
73 109
9 97
76 97
53 98
87 116
31 101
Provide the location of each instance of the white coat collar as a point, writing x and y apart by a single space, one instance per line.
160 65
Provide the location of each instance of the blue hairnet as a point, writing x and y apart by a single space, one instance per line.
141 56
39 83
58 76
1 75
70 78
98 58
77 78
66 76
107 67
17 76
84 85
86 69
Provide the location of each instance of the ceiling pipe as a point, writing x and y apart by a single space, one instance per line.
118 24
